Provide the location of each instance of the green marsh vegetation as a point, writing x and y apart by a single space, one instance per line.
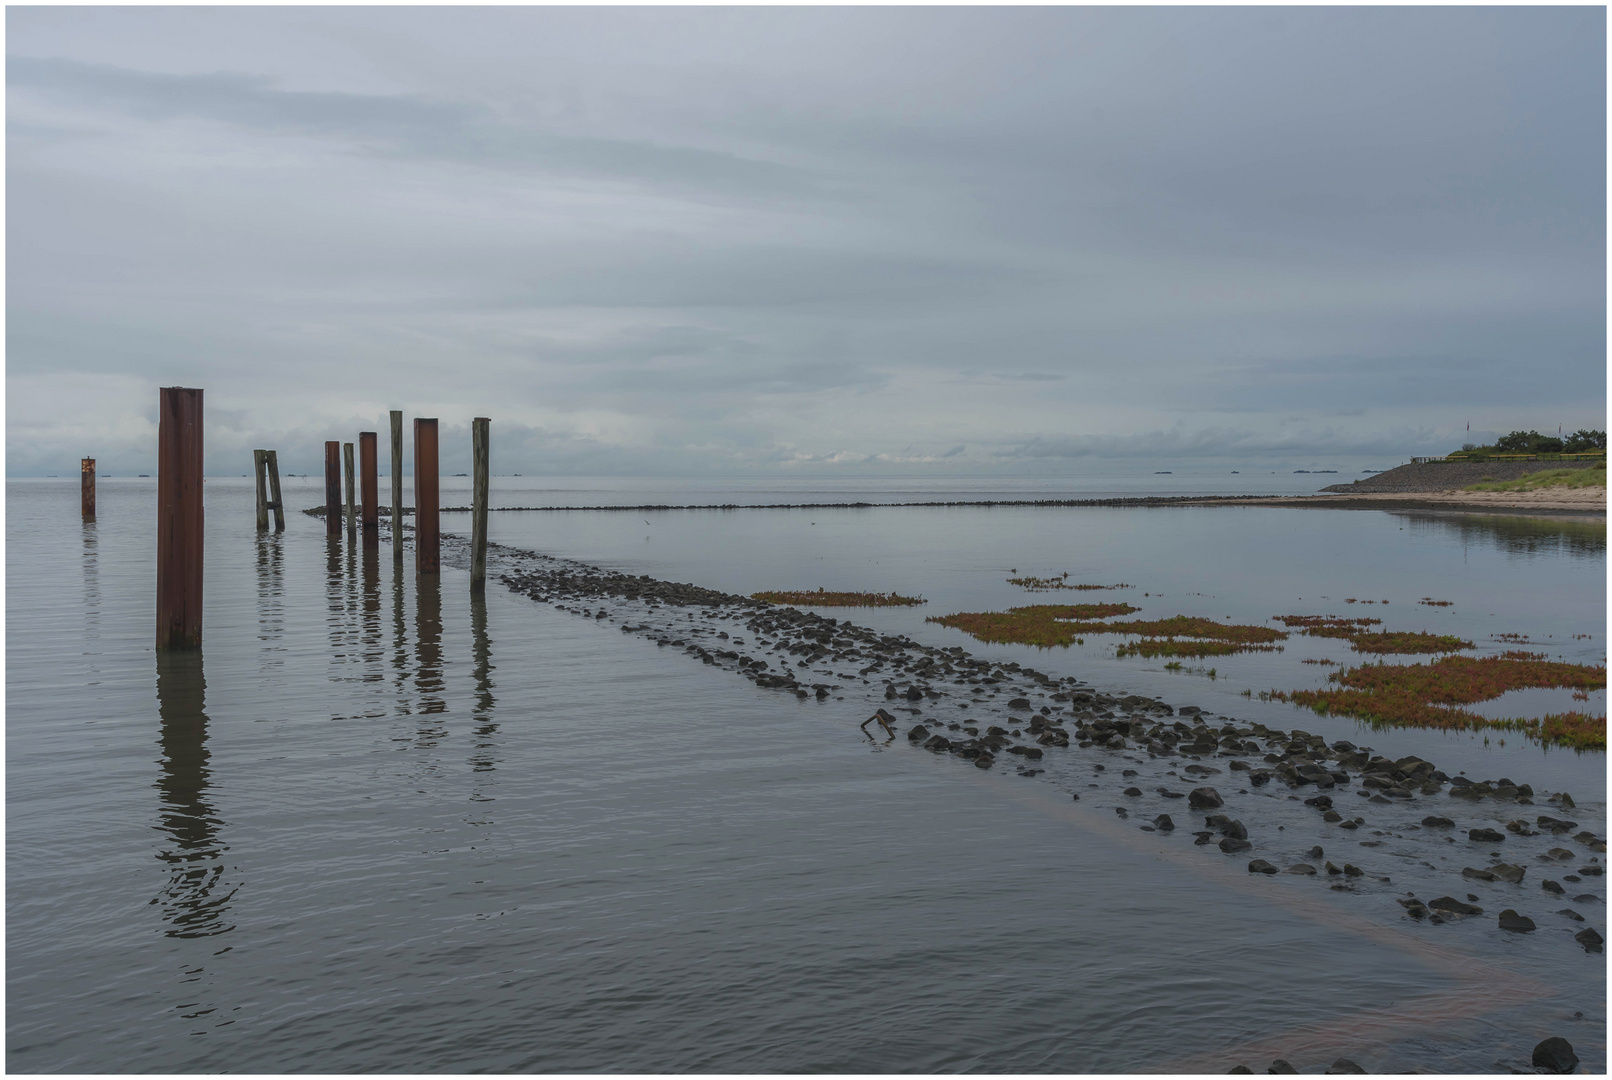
1592 477
823 598
1048 625
1047 584
1363 640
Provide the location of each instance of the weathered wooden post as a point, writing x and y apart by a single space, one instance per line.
332 487
369 489
271 461
259 470
397 485
179 518
352 513
427 532
86 493
480 445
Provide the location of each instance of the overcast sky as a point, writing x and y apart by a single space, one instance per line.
739 240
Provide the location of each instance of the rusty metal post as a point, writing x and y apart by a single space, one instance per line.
480 445
397 485
179 518
87 488
352 512
427 531
259 467
271 461
332 487
369 489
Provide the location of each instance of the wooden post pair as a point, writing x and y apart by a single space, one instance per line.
427 499
266 466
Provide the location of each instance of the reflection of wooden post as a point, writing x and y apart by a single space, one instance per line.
259 465
347 461
480 444
86 494
427 535
368 489
271 461
179 518
332 487
397 485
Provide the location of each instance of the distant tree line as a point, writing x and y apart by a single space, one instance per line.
1581 441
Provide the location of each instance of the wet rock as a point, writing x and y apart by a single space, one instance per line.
1571 914
1315 852
1518 924
1205 798
1453 906
1342 1067
1586 898
1304 869
1019 703
1122 812
1280 1065
1589 939
1163 823
1133 792
938 743
1231 845
1436 822
1348 824
1415 908
1351 870
1555 1055
918 734
1322 802
1260 866
1553 887
1476 874
1554 825
1592 871
1332 869
1239 1069
1034 753
1508 872
1203 837
1331 817
984 761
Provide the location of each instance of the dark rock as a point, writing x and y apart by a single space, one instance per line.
1415 908
1304 869
1453 906
1323 802
1508 872
1204 837
984 761
1280 1065
938 743
1163 823
1560 854
1122 812
1592 871
1331 817
1586 898
1315 852
1205 798
1510 920
1476 874
1554 825
1552 887
1589 939
1352 870
1343 1066
1019 703
918 734
1435 822
1555 1055
1231 845
914 693
1333 870
1133 791
1239 1069
1260 866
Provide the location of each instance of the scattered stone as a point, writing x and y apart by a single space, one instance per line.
1239 1070
1231 845
1342 1067
1315 852
1477 874
1301 868
1553 887
1560 854
1163 823
1555 1055
1436 822
1589 939
1260 866
1486 836
1352 870
1332 817
1280 1065
1415 908
1133 792
1508 872
1571 914
1333 870
1122 812
1205 798
1518 924
1453 906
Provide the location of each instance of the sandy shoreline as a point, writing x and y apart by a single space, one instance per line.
1588 501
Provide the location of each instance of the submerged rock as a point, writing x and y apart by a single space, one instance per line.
1555 1055
1453 906
1342 1067
1260 866
1205 798
1518 924
1486 836
1589 939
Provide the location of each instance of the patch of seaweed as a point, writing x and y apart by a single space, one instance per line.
1429 696
1407 641
1039 584
823 598
1430 602
1059 624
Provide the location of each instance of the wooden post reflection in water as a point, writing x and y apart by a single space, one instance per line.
332 486
370 621
428 678
481 654
270 598
196 900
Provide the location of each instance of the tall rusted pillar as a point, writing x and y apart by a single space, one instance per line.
427 534
332 487
87 488
397 484
352 495
369 489
481 463
179 518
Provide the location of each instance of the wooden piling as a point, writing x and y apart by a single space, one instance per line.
271 461
86 495
352 510
368 489
259 472
179 518
332 487
427 532
397 485
480 447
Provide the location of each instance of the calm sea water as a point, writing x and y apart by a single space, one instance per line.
375 825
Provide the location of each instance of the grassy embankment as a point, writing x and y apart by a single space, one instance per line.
1546 479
